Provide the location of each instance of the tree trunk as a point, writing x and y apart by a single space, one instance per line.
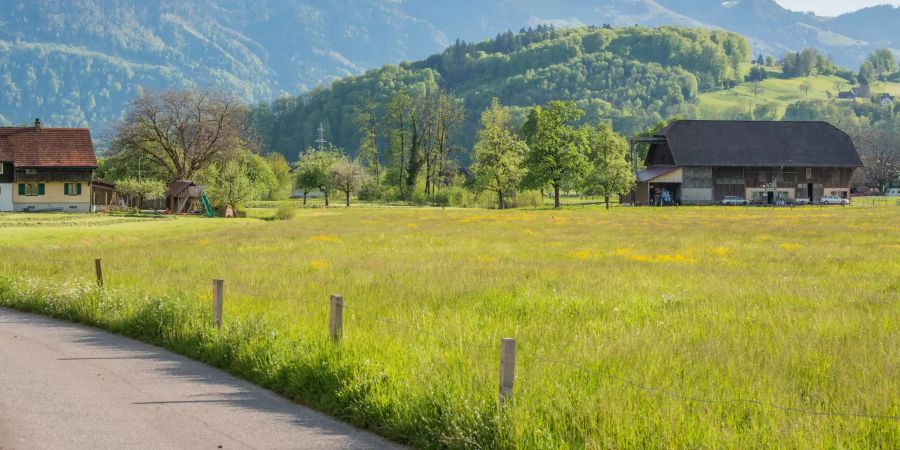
348 199
326 198
607 201
500 197
304 198
556 196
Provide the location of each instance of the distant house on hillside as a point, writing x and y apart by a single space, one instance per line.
46 169
847 95
886 99
700 161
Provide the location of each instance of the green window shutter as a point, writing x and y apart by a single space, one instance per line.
77 188
21 188
41 189
66 188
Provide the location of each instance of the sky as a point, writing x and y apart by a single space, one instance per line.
832 7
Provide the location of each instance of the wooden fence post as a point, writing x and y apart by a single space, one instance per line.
98 268
337 317
507 369
218 301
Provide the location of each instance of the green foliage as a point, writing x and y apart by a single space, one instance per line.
632 76
280 188
313 171
806 63
499 154
370 190
285 211
557 152
138 190
883 63
232 185
610 173
259 171
757 73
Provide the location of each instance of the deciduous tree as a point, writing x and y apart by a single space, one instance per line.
610 173
313 172
499 154
183 132
231 187
347 176
556 150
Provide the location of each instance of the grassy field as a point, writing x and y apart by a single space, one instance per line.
647 327
781 92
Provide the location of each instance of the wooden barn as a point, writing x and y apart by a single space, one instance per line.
702 161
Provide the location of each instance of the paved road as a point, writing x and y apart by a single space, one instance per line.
67 386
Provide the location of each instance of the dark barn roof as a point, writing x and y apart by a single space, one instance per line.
759 143
33 147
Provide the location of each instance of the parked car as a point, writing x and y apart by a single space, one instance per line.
731 200
834 200
893 192
801 201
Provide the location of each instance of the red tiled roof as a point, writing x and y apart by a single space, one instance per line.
47 147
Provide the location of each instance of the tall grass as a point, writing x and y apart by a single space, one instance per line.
794 307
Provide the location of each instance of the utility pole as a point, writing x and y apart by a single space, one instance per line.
321 138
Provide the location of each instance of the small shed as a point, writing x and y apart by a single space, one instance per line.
103 195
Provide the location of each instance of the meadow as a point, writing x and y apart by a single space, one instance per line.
781 92
645 327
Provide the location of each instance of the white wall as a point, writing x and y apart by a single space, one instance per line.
6 196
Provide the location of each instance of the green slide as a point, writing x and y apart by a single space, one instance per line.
209 209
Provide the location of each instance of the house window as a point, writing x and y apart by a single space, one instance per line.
1 168
30 171
808 173
72 189
31 189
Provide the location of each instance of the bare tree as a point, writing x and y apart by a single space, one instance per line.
880 152
347 176
183 132
447 116
805 87
756 88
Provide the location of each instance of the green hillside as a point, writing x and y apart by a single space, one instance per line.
735 103
634 76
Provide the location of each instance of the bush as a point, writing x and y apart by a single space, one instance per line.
461 197
440 198
527 199
286 211
371 190
418 197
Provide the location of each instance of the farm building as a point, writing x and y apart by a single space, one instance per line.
46 169
702 161
104 195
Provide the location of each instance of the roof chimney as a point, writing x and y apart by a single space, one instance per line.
37 124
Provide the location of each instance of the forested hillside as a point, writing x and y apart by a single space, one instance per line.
79 62
633 76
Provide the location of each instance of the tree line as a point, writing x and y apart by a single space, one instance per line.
633 77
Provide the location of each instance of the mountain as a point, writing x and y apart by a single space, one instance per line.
78 62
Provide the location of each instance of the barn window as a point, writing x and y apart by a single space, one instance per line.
808 173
